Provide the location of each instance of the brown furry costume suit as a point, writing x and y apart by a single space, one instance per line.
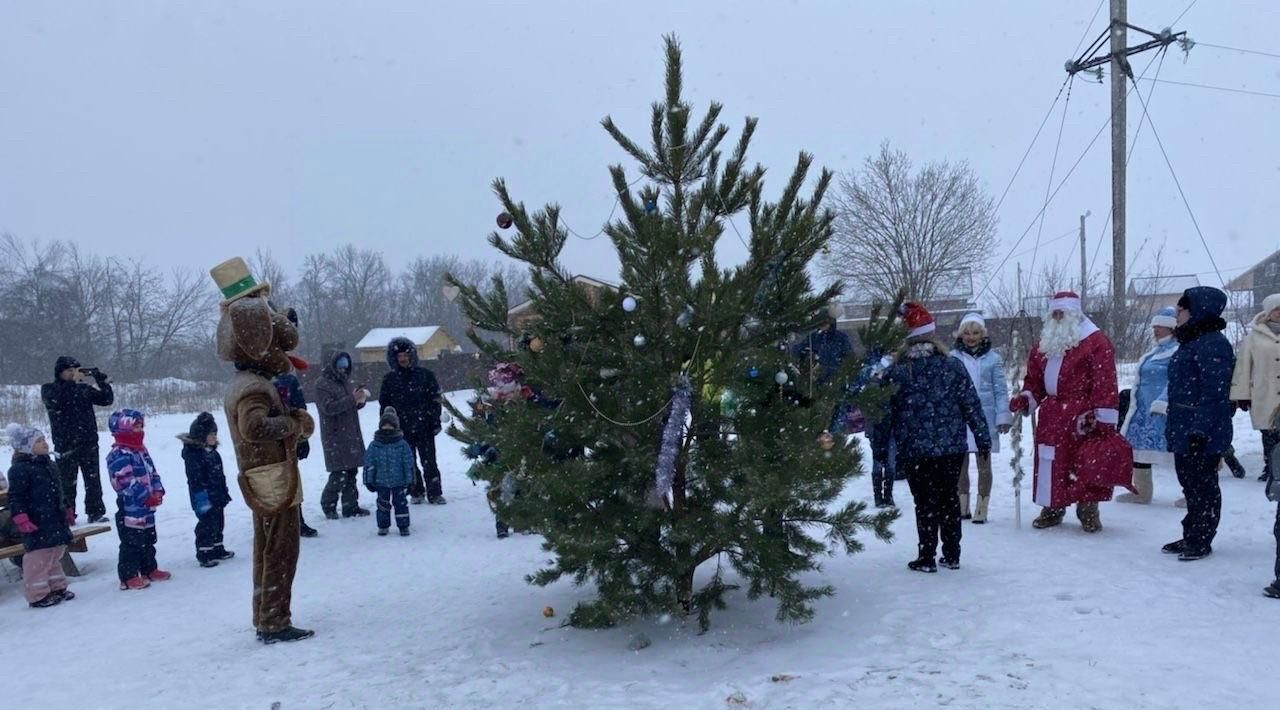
257 338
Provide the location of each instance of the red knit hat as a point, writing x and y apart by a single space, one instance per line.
917 319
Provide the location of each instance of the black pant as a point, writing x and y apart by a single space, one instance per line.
341 483
209 534
1198 475
935 484
83 461
137 550
882 482
425 447
1276 530
389 498
1270 438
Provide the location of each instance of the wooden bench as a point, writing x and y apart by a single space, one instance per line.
79 543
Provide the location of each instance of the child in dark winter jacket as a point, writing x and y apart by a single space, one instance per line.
207 484
139 492
35 501
388 471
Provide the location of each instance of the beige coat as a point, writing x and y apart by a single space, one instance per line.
1257 374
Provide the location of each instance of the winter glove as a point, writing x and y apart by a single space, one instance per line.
70 516
25 526
201 503
304 449
1019 404
98 375
1087 423
155 500
1244 404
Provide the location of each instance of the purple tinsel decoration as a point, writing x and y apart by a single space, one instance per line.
665 472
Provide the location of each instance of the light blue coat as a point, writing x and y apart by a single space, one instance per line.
987 373
1148 402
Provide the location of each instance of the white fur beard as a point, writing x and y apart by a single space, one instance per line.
1059 336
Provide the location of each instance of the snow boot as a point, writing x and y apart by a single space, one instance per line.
208 562
66 594
438 500
50 599
135 583
1141 481
418 500
404 532
159 575
980 513
382 532
1090 519
308 531
1174 548
358 512
222 553
1272 590
285 635
331 514
98 519
1233 463
922 565
964 507
1049 517
1190 555
949 563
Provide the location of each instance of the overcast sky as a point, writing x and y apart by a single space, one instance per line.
186 132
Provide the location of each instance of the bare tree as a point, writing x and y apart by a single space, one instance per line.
896 229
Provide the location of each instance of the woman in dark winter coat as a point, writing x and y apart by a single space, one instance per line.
207 485
339 404
1199 430
933 403
35 501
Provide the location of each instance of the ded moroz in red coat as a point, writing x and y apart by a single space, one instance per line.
1071 467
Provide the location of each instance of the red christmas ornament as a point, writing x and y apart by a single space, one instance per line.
504 220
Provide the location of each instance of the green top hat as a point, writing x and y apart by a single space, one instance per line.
236 281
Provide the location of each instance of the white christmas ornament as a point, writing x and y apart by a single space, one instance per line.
629 304
781 378
639 340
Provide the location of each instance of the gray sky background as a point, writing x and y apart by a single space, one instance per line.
186 132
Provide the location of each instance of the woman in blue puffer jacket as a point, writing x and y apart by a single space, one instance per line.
933 402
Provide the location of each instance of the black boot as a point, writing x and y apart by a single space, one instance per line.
923 565
1174 548
308 531
287 634
1272 590
222 553
503 530
357 512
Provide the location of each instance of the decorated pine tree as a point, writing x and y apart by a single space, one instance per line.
667 445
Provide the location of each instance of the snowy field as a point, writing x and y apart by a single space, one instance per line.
444 619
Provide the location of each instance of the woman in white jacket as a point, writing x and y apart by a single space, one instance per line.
1255 386
986 369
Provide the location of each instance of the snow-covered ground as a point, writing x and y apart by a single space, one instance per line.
444 619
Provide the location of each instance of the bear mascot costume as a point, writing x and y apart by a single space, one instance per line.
257 338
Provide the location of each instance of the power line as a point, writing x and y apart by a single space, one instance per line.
1034 138
1132 147
1178 183
1088 27
1258 52
1184 13
1053 166
1249 92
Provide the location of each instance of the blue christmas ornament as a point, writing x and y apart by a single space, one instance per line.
650 206
753 372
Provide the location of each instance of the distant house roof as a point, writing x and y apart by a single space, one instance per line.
1247 280
583 280
1162 285
381 337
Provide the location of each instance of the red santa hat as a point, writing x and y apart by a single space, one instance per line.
1065 301
917 319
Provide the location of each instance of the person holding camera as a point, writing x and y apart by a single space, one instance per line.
70 400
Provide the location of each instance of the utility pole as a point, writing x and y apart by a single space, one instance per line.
1121 73
1119 113
1084 277
1020 309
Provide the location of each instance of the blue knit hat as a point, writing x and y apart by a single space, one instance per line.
23 438
1166 318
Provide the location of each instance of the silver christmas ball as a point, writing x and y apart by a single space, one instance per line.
639 340
628 304
781 378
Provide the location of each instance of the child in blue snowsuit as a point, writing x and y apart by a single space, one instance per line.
388 472
207 485
139 492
